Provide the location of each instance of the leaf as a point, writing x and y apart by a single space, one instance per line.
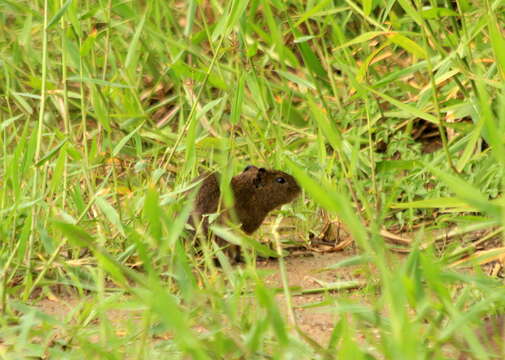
58 174
238 100
411 11
293 116
74 233
190 18
466 192
51 153
302 39
59 14
491 132
296 79
101 110
308 14
327 127
312 60
497 43
395 165
152 213
367 7
405 107
5 124
85 79
408 45
351 261
232 238
110 213
133 49
436 12
474 137
237 10
362 38
124 140
438 203
17 207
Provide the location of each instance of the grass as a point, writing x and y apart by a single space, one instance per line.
108 109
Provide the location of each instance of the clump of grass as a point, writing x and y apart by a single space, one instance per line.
108 109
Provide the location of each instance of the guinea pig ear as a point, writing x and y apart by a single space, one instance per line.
258 180
248 167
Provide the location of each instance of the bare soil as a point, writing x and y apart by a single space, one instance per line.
307 273
303 272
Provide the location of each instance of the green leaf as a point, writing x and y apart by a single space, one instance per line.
490 132
59 168
327 127
296 79
302 39
243 240
133 49
408 45
238 100
466 192
85 79
237 10
435 13
411 11
101 110
124 140
367 6
497 43
313 10
190 18
405 107
51 153
362 38
292 115
59 14
74 233
473 138
395 165
110 213
438 203
5 124
152 213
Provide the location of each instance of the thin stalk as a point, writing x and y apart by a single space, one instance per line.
284 274
38 145
372 158
64 112
107 41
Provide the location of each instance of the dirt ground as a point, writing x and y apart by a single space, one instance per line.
303 272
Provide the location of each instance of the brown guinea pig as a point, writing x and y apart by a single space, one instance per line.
256 192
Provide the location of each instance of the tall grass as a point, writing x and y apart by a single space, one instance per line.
109 108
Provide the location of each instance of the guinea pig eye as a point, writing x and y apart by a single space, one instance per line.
248 167
280 180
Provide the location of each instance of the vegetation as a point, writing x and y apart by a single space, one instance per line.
390 114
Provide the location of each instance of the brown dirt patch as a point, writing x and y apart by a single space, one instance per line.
303 273
306 273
